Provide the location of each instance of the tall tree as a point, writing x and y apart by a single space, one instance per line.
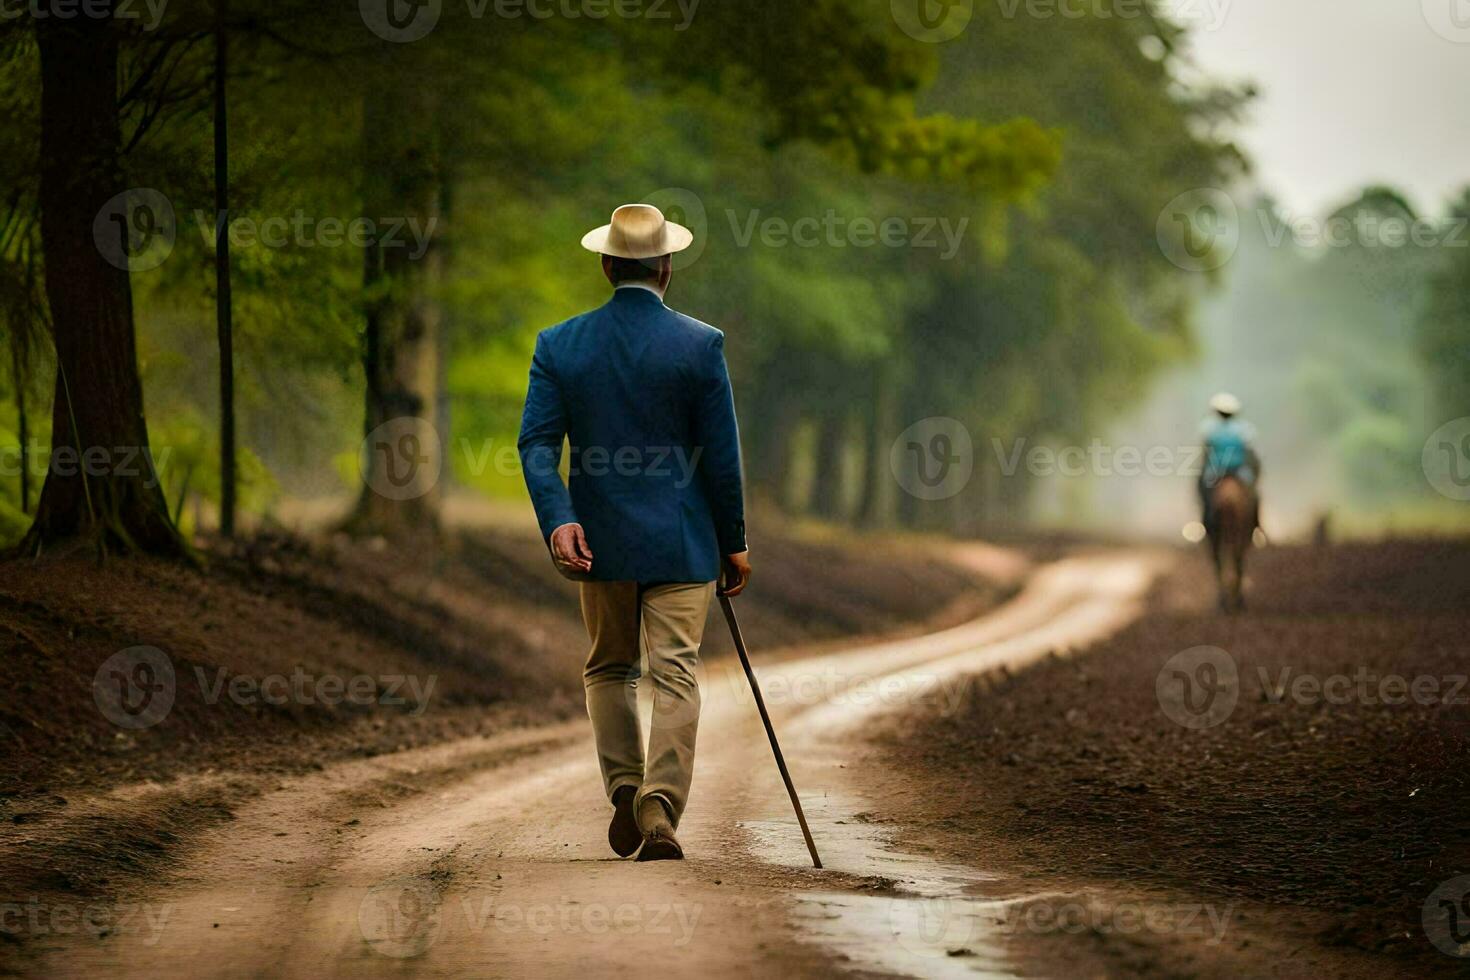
401 182
223 312
102 483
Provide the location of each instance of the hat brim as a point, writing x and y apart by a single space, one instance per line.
1225 406
675 238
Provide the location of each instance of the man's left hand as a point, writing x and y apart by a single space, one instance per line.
736 574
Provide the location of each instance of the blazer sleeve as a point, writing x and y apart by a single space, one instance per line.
543 427
717 439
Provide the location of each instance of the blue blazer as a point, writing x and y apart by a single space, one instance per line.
643 395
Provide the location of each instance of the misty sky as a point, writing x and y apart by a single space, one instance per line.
1353 92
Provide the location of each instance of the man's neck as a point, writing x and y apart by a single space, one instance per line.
652 287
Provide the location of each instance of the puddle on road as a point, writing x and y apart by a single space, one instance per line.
922 919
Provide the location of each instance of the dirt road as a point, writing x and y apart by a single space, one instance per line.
487 856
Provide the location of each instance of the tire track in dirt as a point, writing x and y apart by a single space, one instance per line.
487 856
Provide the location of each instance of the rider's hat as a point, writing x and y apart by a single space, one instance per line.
1225 403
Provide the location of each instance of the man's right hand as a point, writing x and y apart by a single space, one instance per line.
569 549
737 574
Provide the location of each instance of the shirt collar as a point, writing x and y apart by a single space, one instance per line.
641 285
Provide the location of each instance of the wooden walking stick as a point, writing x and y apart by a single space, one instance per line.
760 703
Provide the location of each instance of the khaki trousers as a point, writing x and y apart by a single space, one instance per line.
666 622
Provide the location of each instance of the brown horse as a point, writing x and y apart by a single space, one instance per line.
1235 509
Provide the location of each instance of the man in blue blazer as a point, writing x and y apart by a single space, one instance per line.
652 512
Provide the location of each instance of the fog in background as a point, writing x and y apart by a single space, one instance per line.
1317 339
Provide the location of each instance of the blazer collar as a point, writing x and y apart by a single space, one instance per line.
636 295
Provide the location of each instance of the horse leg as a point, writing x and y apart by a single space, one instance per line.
1240 576
1220 572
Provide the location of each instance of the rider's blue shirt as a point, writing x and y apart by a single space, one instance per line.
1227 449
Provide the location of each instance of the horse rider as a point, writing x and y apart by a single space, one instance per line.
1229 450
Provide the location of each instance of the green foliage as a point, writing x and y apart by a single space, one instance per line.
1444 327
1377 450
1043 148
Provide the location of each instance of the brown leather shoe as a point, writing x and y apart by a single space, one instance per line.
659 842
623 835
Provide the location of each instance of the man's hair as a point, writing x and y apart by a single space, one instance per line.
622 270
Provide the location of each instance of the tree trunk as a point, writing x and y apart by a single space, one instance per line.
443 406
19 372
769 427
875 508
223 324
828 499
907 507
101 482
401 347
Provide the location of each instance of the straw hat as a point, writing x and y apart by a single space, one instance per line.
638 231
1225 403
